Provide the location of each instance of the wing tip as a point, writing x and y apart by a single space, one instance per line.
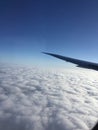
46 53
43 52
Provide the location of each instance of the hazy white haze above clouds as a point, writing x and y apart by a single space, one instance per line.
38 99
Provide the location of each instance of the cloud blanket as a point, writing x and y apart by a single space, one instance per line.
32 98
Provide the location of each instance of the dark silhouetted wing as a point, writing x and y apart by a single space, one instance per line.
79 63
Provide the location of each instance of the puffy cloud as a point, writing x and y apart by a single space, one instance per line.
34 98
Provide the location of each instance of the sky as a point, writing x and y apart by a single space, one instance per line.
66 27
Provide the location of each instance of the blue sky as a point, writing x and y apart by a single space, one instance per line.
66 27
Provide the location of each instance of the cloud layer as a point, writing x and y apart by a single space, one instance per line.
38 99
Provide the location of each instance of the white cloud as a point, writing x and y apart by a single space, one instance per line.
33 99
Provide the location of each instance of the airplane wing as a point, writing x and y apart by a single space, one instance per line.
79 63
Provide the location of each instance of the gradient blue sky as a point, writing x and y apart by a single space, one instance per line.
66 27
